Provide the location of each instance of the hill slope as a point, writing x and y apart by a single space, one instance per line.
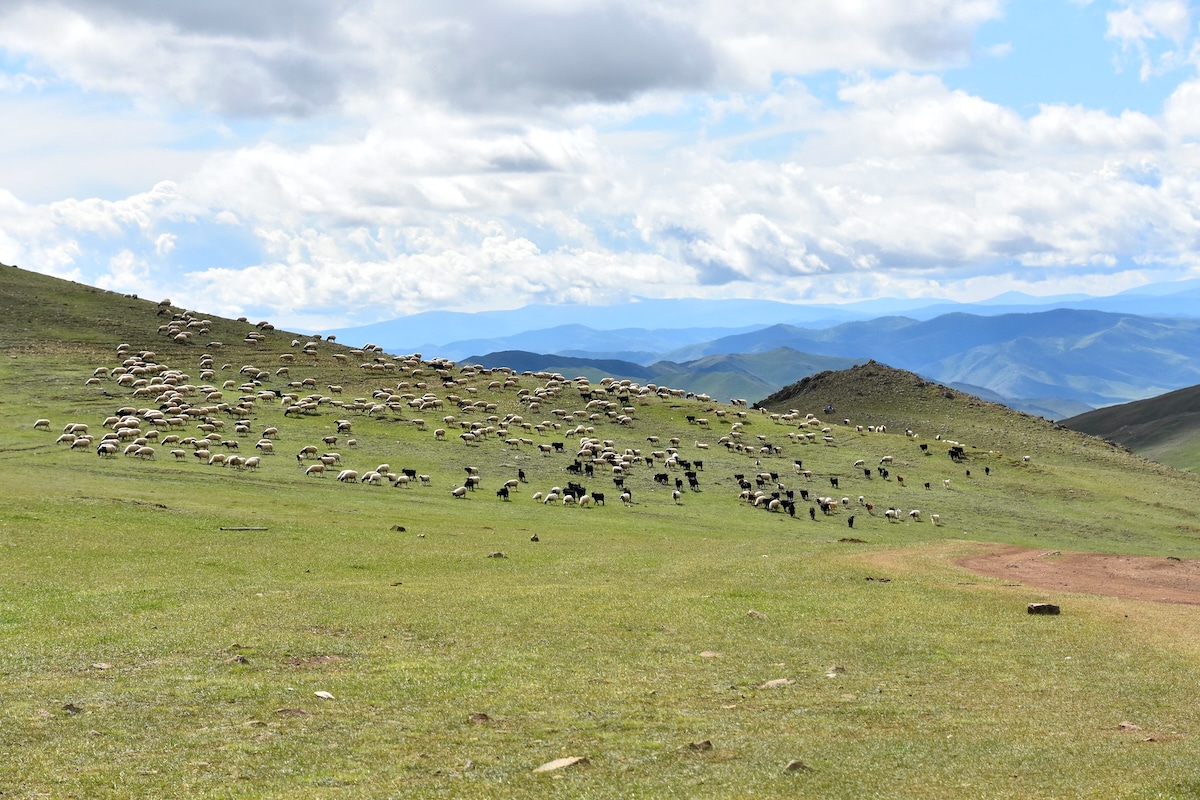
174 621
1164 428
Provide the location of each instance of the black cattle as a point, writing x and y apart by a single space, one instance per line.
619 483
521 476
791 508
598 498
472 482
812 513
867 473
883 473
679 483
744 484
957 453
502 493
662 477
833 482
987 470
558 446
693 484
588 469
924 448
576 468
698 464
850 520
804 494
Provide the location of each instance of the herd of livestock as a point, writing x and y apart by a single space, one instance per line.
573 428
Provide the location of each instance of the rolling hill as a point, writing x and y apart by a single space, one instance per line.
180 624
1165 428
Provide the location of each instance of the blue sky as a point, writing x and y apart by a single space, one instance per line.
331 164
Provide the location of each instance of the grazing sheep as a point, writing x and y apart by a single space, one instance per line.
676 495
348 475
106 449
372 477
936 519
915 515
460 492
42 425
316 470
886 460
219 458
440 434
253 462
946 483
180 455
425 480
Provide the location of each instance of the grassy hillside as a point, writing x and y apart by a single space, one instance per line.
166 625
1164 428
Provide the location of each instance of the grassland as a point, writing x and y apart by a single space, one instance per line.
147 650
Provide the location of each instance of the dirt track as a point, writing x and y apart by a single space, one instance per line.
1161 580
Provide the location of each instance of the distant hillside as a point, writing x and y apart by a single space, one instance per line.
743 375
1164 428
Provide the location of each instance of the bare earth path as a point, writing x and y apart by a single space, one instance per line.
1162 580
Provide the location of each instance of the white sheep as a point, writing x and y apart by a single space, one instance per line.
316 470
459 493
936 519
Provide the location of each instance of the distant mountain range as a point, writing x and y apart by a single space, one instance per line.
723 377
653 328
1053 357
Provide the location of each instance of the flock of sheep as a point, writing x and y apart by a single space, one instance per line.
552 425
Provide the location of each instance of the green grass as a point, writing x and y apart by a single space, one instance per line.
123 600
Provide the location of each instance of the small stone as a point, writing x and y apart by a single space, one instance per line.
756 614
1128 726
534 538
1042 608
834 671
777 683
497 554
293 712
563 763
702 747
323 695
400 528
71 708
710 654
102 665
795 765
238 659
479 716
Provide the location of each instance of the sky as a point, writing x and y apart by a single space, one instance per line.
330 163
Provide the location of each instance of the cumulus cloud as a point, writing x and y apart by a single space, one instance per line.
465 155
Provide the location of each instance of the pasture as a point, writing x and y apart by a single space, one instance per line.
166 625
